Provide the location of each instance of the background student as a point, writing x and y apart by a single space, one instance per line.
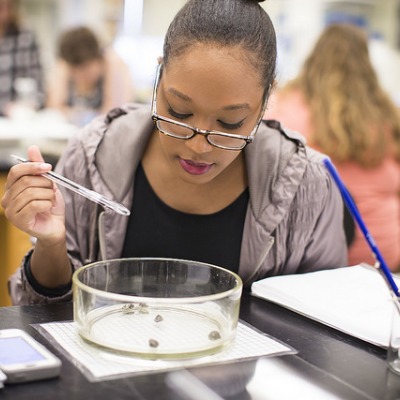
19 55
87 79
337 102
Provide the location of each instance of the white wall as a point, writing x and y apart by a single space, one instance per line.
158 14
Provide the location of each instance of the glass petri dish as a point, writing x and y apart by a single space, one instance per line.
157 308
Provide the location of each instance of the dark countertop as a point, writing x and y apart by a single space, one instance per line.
345 366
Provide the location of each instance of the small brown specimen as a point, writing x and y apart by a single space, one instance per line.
153 343
214 335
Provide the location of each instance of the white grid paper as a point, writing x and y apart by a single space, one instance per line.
98 365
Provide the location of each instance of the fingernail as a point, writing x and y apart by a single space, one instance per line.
45 166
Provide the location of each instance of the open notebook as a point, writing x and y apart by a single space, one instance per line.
354 300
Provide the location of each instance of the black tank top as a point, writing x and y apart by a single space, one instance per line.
157 230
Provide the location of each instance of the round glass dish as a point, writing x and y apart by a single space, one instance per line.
157 308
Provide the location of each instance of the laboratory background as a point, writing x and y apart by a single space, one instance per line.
135 29
129 34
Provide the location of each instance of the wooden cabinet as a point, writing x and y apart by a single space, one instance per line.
13 246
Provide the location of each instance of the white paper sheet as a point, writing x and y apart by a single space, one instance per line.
97 364
354 300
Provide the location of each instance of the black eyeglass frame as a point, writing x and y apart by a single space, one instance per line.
197 131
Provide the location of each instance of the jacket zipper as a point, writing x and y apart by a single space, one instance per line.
102 242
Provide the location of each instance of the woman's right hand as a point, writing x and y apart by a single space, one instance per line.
33 203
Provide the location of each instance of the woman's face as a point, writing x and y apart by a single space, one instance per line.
211 88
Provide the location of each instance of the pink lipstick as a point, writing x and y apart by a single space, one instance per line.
195 168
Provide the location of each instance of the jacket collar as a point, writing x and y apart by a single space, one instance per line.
119 163
275 164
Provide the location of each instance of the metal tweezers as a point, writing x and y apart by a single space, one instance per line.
85 192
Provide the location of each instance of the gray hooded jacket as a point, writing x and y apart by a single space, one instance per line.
294 220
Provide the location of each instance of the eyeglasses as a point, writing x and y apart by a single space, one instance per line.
179 130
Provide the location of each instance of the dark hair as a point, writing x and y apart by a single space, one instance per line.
79 45
225 23
13 25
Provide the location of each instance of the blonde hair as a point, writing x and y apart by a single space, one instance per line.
353 118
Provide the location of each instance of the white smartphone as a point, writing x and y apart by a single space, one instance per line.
23 359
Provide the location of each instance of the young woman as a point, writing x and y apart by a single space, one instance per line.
339 105
196 184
